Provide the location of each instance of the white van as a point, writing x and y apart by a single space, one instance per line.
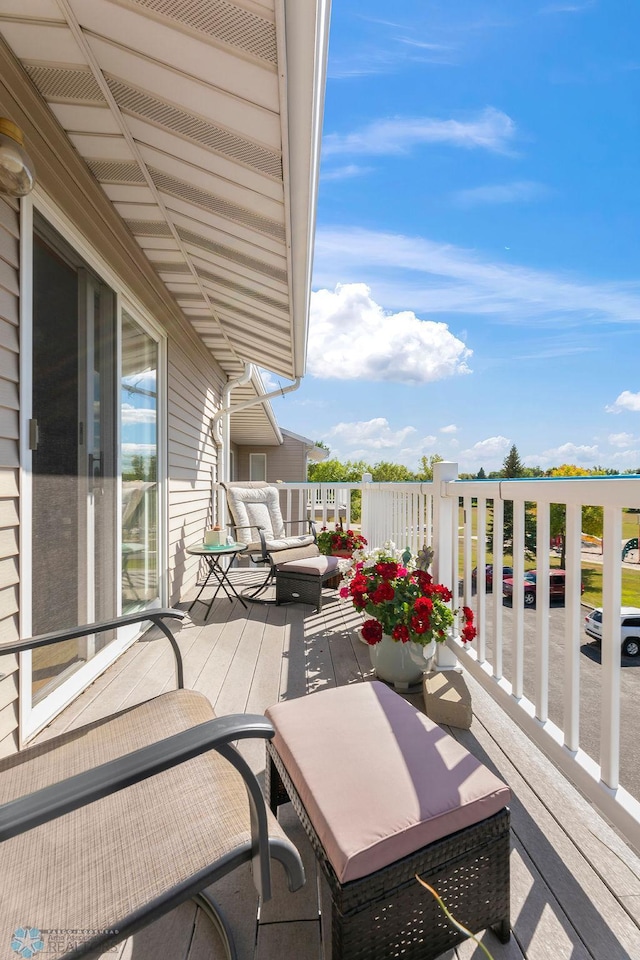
629 632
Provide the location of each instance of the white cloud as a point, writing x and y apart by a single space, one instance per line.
487 449
626 401
369 435
519 191
489 453
567 7
345 173
269 381
581 455
141 449
421 274
132 415
627 458
351 338
451 428
621 439
489 130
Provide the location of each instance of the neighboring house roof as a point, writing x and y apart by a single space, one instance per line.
313 452
257 425
201 122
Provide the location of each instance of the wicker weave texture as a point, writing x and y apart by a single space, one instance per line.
299 588
389 914
102 865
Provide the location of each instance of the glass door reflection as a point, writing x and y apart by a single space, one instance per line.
139 452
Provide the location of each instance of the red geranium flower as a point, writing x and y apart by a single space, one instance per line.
387 569
372 632
359 600
400 632
423 578
383 592
423 607
418 625
359 584
443 592
468 633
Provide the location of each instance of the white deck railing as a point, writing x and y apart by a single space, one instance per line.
440 513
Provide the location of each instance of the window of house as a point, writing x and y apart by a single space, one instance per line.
257 466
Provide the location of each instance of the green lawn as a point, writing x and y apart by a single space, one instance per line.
630 525
592 579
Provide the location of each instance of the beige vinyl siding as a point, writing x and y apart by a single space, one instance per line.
194 377
194 396
9 461
286 462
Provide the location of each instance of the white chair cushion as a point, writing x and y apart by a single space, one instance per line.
255 507
287 543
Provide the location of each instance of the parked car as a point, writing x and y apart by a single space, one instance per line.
506 572
629 629
556 586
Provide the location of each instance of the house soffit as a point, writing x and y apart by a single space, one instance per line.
178 107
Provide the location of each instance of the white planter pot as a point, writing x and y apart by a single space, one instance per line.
401 664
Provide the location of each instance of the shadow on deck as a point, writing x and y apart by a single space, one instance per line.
575 886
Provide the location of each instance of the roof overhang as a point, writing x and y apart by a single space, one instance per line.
315 453
201 121
255 425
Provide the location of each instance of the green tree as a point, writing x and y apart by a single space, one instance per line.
334 471
512 465
481 475
385 472
426 466
513 468
592 516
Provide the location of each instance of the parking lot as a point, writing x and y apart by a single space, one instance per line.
590 685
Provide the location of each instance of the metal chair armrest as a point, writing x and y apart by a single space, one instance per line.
25 813
156 617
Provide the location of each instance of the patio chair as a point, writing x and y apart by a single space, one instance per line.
257 522
107 827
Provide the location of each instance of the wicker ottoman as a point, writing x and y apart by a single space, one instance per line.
383 794
301 581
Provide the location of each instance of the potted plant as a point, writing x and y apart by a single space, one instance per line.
340 542
407 612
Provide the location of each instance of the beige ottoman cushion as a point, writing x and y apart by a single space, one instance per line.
311 566
378 779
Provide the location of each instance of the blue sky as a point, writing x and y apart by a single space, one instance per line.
476 274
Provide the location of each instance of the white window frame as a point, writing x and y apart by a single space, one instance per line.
33 717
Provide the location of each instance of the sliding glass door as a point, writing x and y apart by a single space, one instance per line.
72 438
139 455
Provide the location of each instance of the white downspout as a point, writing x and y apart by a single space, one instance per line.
221 427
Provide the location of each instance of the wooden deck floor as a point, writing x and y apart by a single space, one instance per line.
575 888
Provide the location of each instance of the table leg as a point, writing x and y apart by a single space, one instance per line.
220 574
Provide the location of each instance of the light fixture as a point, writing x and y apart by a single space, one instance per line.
17 176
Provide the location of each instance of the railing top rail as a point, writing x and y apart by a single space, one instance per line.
324 484
310 485
609 491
